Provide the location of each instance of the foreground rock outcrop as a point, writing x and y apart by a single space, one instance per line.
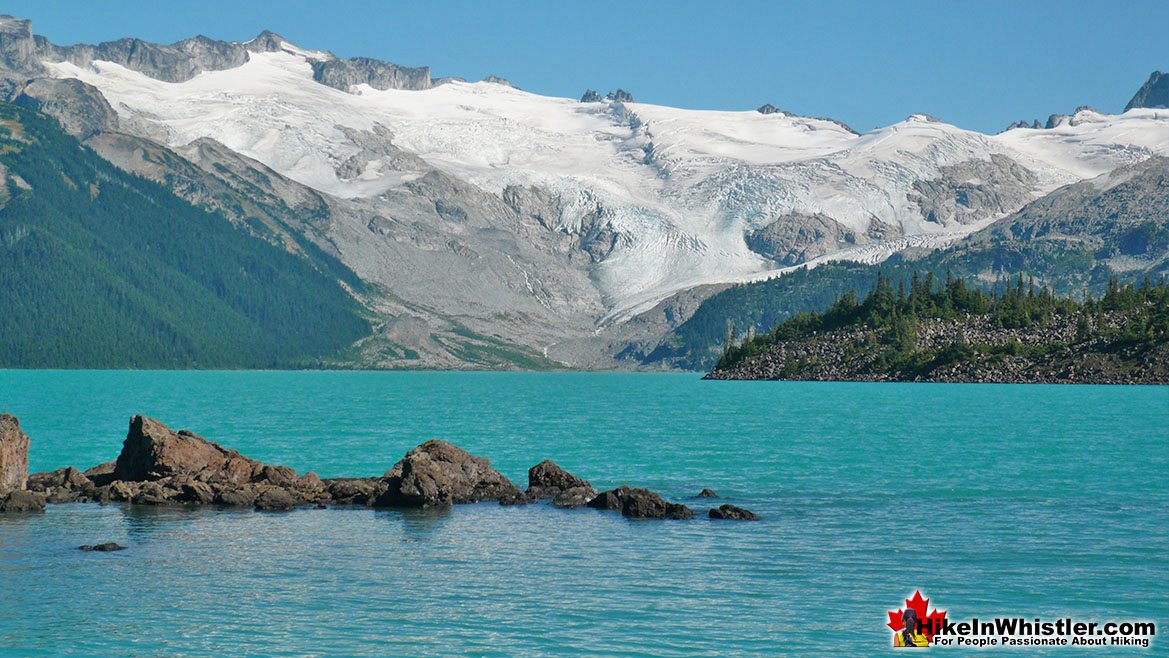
732 513
548 480
637 503
159 466
14 469
13 455
438 474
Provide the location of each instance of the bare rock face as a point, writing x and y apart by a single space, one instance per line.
81 108
13 455
152 451
547 480
437 474
638 503
22 501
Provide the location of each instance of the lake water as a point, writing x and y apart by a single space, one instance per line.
991 499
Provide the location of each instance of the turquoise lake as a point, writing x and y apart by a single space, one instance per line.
991 499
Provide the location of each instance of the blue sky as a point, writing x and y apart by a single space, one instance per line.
979 65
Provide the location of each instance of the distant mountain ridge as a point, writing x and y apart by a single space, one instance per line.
498 228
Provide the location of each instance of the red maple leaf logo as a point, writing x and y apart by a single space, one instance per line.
930 622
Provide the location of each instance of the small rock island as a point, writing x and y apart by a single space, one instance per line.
159 466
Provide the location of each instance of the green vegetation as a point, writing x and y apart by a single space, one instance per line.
103 269
1066 269
889 319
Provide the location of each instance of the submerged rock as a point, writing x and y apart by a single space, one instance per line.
733 513
437 474
574 497
13 455
707 493
22 501
638 503
103 548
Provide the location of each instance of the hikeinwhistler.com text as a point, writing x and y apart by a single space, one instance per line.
1003 632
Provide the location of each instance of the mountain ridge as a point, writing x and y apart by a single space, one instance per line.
543 223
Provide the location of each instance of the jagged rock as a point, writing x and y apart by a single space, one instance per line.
272 499
153 452
13 455
354 491
18 51
574 497
620 96
195 492
437 474
638 503
547 480
22 501
177 62
80 107
590 96
102 474
239 497
495 79
103 548
522 498
154 493
64 485
1153 94
768 108
346 73
974 190
732 513
797 237
707 493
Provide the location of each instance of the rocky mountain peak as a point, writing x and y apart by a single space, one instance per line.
1153 94
590 96
768 108
620 96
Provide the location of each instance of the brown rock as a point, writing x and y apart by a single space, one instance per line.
547 480
236 497
637 503
574 497
275 500
103 548
733 513
22 501
13 455
707 493
437 474
354 491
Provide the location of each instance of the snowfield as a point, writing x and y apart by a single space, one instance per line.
681 188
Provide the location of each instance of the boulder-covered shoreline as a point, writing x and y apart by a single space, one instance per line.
160 466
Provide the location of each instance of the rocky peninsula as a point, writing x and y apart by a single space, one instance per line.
956 333
159 466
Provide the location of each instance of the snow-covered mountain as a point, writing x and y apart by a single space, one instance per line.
546 222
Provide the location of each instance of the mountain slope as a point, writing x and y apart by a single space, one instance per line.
540 226
105 269
1074 240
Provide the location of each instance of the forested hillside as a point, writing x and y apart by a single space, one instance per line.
103 269
950 331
